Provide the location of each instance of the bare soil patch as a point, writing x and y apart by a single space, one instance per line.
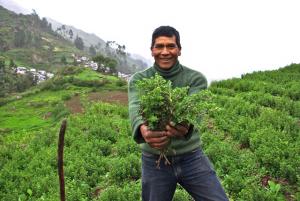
117 97
74 105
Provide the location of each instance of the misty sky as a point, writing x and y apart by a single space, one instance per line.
222 39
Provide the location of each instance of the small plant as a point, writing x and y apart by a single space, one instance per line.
161 104
273 187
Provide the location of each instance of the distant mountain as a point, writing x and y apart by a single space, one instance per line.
30 41
127 62
88 39
39 50
139 57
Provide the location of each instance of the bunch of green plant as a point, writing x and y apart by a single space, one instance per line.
162 104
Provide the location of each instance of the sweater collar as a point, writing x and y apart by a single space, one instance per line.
174 70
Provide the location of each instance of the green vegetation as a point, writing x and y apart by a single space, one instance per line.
252 139
12 82
33 42
162 104
28 41
79 43
28 141
106 62
72 76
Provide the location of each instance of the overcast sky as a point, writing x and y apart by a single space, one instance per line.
220 38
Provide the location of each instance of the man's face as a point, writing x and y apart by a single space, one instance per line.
165 51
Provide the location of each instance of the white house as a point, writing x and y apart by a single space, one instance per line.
21 70
50 75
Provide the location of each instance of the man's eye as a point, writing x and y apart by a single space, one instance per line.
159 46
171 46
168 46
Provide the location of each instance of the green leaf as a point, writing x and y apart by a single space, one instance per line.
29 191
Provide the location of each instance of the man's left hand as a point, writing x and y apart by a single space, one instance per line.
179 130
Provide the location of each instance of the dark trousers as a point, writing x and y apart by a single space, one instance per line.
192 171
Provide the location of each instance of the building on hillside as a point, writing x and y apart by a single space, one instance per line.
50 75
40 75
21 70
42 72
124 76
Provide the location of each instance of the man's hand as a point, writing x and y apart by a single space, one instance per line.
156 139
179 130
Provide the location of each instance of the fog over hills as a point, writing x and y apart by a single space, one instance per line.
13 6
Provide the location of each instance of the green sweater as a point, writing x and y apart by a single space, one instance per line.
180 76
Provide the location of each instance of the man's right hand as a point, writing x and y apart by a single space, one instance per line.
156 139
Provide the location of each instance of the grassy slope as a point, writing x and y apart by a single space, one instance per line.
28 130
43 54
244 140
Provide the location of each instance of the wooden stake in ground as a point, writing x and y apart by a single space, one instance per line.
60 159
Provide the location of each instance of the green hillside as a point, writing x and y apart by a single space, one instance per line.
95 45
30 41
253 139
33 42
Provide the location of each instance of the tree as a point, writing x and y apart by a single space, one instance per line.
36 40
109 47
24 82
2 65
35 17
75 62
20 38
92 50
50 27
71 33
44 24
12 63
3 44
112 63
79 43
104 62
121 50
63 59
29 39
100 60
98 46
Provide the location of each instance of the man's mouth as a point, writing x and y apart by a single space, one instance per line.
165 59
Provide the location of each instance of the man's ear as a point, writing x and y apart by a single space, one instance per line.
179 52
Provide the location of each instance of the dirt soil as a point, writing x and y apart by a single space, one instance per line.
118 97
74 105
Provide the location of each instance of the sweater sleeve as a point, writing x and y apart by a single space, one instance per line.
133 107
198 83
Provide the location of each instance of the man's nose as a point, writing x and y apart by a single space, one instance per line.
165 50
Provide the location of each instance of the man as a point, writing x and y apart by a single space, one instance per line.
189 166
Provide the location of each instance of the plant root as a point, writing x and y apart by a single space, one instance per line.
162 155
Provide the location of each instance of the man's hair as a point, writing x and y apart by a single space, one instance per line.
166 31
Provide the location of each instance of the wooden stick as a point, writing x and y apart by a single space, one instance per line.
60 159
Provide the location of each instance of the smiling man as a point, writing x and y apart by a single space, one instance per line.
165 51
189 166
